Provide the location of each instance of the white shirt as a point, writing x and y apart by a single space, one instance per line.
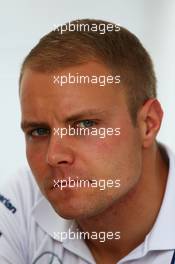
28 224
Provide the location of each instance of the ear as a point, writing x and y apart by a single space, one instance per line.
149 120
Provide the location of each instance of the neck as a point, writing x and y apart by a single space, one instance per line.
134 215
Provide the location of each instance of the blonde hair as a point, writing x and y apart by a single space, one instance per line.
121 51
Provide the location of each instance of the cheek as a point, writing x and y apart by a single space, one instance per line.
115 157
106 148
36 159
102 155
36 150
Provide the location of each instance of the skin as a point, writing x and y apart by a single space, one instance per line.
133 157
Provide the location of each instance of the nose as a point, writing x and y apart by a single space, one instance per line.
59 152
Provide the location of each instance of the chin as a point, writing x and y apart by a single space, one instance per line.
68 214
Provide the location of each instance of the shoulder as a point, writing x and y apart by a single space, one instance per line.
20 193
17 198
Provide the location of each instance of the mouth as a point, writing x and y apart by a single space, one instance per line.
63 183
69 183
60 180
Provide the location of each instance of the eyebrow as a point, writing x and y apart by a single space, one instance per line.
33 124
92 112
27 124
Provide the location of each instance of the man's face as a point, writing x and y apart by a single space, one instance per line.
47 106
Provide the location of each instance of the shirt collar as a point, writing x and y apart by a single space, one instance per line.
48 219
52 223
161 236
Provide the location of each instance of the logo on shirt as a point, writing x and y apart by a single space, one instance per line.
7 204
51 256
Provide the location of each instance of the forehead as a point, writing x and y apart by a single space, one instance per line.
41 91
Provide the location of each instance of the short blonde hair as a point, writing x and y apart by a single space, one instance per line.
121 51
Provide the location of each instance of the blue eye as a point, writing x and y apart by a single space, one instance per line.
39 132
85 123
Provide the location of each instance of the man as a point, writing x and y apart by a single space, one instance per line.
90 118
